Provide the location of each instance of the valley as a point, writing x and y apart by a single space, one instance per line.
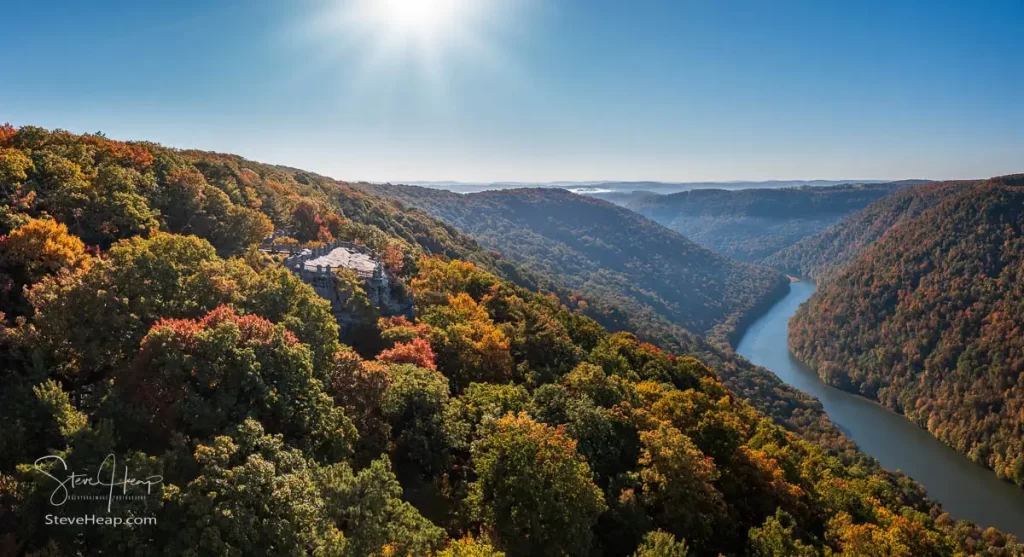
965 489
633 273
860 216
140 317
749 224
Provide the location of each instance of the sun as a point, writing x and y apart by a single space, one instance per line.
424 23
426 45
421 19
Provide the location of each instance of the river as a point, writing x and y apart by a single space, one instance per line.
966 490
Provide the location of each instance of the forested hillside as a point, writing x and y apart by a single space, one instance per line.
927 319
750 224
610 255
815 255
140 322
211 195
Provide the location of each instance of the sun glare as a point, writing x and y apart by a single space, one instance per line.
383 42
421 18
427 22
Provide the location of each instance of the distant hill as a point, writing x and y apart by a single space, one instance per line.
927 317
749 224
609 254
829 248
618 197
599 186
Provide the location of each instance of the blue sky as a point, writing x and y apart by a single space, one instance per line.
538 90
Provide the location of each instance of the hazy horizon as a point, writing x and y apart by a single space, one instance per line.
504 182
525 183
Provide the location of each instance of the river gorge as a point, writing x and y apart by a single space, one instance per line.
966 490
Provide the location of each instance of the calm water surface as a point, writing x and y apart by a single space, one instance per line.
967 491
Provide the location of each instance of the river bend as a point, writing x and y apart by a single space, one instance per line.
966 490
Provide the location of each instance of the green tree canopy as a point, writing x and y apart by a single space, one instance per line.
528 473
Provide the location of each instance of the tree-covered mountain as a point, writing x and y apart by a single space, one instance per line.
815 255
750 224
141 322
201 193
500 219
927 318
610 255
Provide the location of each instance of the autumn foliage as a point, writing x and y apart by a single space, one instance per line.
200 376
418 352
493 420
43 246
926 318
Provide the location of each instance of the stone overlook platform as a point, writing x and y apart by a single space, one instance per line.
309 263
364 264
318 266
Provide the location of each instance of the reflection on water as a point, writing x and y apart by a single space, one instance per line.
967 491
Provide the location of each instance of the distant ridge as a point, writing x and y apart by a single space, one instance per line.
613 256
628 186
751 223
